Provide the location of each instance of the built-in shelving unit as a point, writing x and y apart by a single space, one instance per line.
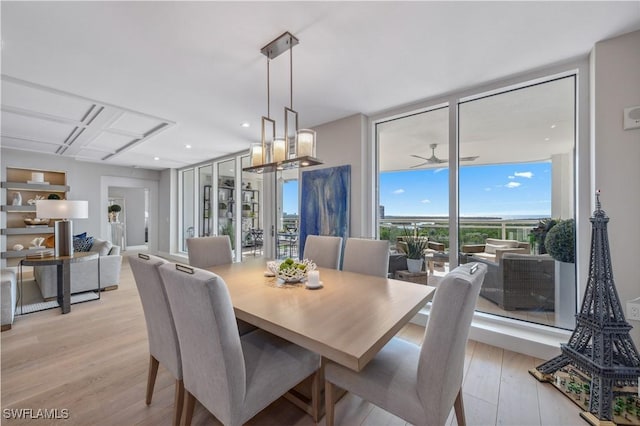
21 181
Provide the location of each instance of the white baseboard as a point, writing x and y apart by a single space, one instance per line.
535 340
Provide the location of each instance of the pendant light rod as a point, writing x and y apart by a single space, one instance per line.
268 91
290 76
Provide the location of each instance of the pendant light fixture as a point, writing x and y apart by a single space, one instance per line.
297 148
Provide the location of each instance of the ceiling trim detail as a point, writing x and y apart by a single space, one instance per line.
37 117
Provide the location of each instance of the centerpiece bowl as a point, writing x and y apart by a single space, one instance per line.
291 271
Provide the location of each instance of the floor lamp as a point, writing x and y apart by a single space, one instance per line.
64 210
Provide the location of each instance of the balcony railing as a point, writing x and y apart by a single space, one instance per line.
472 230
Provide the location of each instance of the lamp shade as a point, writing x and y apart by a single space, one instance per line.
62 209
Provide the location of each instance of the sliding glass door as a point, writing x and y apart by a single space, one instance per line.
519 184
512 180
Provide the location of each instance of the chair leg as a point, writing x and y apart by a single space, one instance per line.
151 379
328 403
178 402
315 396
190 403
458 406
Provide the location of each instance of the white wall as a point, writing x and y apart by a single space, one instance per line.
344 142
616 85
168 212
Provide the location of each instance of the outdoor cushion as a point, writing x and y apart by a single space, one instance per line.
507 243
491 248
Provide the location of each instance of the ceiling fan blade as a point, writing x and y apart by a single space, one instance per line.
419 165
469 158
418 156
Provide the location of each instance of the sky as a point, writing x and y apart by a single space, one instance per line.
505 190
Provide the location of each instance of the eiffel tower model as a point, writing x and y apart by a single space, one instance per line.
600 346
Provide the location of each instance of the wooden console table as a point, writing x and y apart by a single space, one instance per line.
63 264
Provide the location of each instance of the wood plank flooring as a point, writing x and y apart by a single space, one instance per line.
93 362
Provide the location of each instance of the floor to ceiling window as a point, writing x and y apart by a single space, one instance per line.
515 180
414 180
187 178
521 180
213 203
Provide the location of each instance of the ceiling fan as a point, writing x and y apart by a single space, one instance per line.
435 160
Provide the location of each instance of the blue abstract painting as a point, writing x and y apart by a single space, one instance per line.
324 202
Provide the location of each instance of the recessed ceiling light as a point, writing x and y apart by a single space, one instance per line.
547 139
187 146
245 124
156 158
553 126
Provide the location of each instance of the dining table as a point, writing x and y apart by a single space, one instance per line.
348 320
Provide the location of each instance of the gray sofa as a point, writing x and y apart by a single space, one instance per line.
8 297
84 275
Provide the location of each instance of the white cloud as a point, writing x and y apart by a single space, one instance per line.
425 201
487 189
527 175
511 177
398 191
513 184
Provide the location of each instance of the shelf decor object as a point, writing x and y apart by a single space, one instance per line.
64 210
297 148
600 357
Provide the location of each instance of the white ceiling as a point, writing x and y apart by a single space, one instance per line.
167 74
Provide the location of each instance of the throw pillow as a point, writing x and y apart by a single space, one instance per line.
491 248
82 244
83 235
101 246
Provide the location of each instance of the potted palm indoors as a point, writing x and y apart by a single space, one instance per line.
414 247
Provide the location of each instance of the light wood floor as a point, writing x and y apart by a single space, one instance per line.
93 362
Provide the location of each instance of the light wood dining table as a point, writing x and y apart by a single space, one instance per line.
347 321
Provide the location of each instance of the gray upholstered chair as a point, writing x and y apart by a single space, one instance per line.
420 384
364 256
233 376
206 252
325 251
163 340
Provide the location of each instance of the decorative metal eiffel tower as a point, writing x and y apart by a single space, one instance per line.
600 345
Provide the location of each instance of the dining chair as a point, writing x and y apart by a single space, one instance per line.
325 251
232 376
161 332
420 384
207 252
370 257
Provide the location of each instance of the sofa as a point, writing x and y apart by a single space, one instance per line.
8 297
494 249
84 275
520 282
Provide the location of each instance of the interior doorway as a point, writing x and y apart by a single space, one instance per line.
129 229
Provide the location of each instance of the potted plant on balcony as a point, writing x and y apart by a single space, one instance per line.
415 247
560 244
